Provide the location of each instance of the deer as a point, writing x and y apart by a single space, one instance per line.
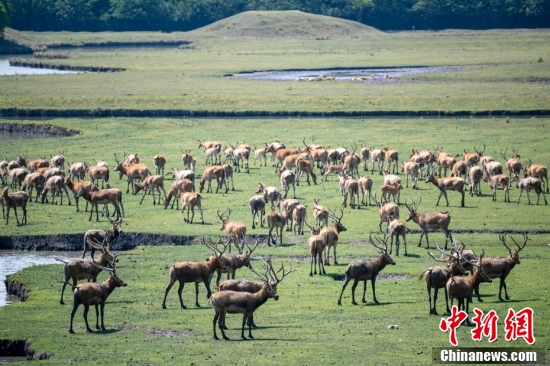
501 180
365 186
392 157
425 158
136 171
493 168
513 165
151 183
217 173
272 148
501 267
377 156
78 170
351 189
299 216
159 161
320 213
246 303
388 190
190 200
289 161
412 169
472 159
233 262
209 145
528 184
275 221
259 154
182 185
386 210
33 165
241 154
351 163
476 175
234 231
211 156
397 228
536 171
436 277
188 160
14 200
460 169
361 270
391 179
99 172
75 186
270 194
330 233
447 184
84 269
304 165
33 181
332 169
105 237
130 159
287 206
316 245
228 175
54 185
462 288
257 207
17 176
445 161
196 272
181 174
288 179
364 153
281 154
104 196
429 221
58 161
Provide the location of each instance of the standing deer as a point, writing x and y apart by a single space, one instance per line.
233 262
412 169
320 213
99 172
216 173
288 178
365 156
472 159
270 194
351 189
397 228
536 171
365 186
447 184
386 210
75 186
159 161
177 187
476 174
392 157
299 216
151 183
212 145
104 196
259 153
54 185
257 207
196 272
189 200
105 237
275 221
33 181
331 233
58 161
188 160
234 231
78 170
377 156
361 270
136 171
430 221
287 208
528 184
501 180
14 200
316 244
513 164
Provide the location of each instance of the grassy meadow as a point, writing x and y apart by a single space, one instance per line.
305 326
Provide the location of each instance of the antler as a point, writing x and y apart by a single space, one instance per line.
525 238
250 250
435 259
214 246
261 277
332 214
381 241
274 274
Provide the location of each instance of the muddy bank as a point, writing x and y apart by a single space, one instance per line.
40 65
181 113
16 289
46 130
20 348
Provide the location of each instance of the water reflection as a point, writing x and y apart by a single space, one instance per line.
6 69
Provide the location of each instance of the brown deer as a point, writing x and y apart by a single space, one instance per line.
361 270
54 185
378 156
216 173
136 171
245 303
288 178
385 211
471 158
429 221
436 277
75 186
460 169
196 272
447 184
257 207
305 166
17 176
130 159
445 161
275 221
190 200
151 183
536 171
182 185
287 208
104 196
270 194
273 148
259 154
99 172
33 181
332 169
513 164
365 186
476 174
234 231
316 244
33 165
501 180
351 163
228 175
351 189
188 160
396 228
281 154
216 145
105 237
241 155
392 157
528 184
412 169
233 262
299 216
78 170
462 288
14 200
331 233
58 161
365 156
320 213
159 161
390 190
493 168
501 267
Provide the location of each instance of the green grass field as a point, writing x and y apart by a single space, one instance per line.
305 326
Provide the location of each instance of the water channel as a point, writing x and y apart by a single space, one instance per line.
7 70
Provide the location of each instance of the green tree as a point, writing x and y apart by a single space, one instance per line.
4 15
360 5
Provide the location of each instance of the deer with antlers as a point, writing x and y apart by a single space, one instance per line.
159 161
105 237
462 288
135 171
245 303
331 233
447 184
536 171
513 165
436 277
151 183
472 158
429 221
14 200
196 272
269 193
361 270
501 267
233 262
365 186
528 184
234 231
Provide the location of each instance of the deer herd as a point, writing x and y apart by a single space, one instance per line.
290 214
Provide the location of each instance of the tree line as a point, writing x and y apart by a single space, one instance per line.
184 15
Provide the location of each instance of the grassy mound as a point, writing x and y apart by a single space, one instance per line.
286 24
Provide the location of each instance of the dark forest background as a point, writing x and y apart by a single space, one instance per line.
184 15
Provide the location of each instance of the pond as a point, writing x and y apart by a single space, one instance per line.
7 70
371 74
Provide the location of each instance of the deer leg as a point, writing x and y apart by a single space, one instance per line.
434 311
313 264
86 308
372 282
180 289
476 290
502 285
343 288
197 294
429 289
97 318
321 264
363 300
216 317
355 282
75 307
334 250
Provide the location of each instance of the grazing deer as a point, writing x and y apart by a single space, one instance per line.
304 165
104 196
436 277
189 200
196 272
99 172
332 169
182 185
105 237
476 174
159 161
151 183
513 164
259 154
462 288
84 269
386 210
396 228
54 185
320 213
288 179
528 184
33 181
501 267
217 173
257 207
270 194
95 294
447 184
234 231
377 156
212 144
58 161
365 186
14 200
536 171
392 157
75 186
78 170
287 208
299 216
361 270
245 303
412 169
389 190
136 171
429 221
275 221
501 180
233 262
188 160
331 233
